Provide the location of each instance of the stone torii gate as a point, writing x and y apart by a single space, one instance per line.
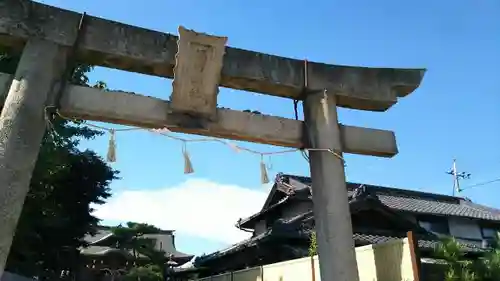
46 36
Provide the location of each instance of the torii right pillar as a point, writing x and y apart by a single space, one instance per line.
334 234
337 257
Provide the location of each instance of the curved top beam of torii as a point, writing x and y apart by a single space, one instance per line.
117 45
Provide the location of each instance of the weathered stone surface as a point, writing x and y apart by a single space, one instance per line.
126 47
22 126
336 254
138 110
197 73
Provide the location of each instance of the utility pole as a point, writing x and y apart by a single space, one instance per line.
457 177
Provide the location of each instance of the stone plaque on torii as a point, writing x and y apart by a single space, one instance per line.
199 64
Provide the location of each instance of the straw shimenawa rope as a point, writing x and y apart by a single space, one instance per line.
188 166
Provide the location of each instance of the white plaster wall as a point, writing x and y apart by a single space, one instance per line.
383 262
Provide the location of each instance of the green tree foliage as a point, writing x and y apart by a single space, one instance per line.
460 268
313 246
132 237
144 273
66 180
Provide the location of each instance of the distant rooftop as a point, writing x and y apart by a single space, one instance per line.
99 246
397 199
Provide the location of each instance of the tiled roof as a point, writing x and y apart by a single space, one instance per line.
421 202
101 233
424 243
394 198
425 239
164 241
460 208
233 248
101 251
427 244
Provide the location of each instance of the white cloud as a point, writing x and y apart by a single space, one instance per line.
197 207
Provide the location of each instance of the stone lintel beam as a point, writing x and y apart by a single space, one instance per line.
137 110
117 45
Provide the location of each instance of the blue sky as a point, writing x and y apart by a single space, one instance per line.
454 114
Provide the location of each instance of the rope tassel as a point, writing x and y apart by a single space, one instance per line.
188 166
264 178
111 156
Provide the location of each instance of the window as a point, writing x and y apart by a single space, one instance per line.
435 225
488 232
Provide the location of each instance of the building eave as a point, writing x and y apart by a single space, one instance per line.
249 222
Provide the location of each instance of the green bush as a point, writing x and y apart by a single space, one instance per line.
461 268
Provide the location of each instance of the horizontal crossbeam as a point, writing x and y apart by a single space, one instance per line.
117 45
137 110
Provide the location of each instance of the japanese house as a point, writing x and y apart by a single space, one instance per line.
103 261
281 230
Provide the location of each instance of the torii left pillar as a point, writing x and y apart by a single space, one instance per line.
22 127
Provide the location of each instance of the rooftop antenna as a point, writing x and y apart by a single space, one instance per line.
457 177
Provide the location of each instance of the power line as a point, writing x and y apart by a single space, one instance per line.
481 184
457 177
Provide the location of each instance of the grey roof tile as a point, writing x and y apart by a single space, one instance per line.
460 207
100 234
421 202
99 250
164 241
422 243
